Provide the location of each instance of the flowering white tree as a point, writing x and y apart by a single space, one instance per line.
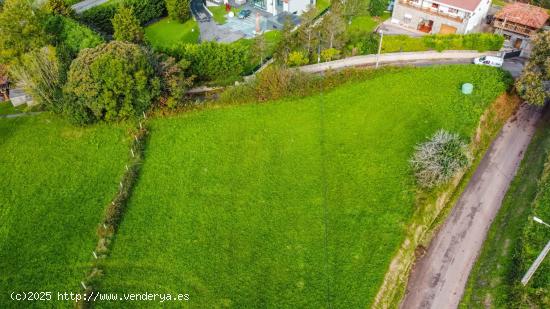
437 160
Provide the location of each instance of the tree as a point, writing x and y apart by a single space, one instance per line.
126 26
39 74
59 7
259 48
174 82
333 28
377 7
287 41
533 84
306 31
109 82
178 9
351 8
21 29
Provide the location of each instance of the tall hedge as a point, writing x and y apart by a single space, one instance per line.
212 61
99 17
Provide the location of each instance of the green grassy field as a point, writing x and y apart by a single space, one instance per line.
366 23
56 181
166 33
295 203
7 108
495 278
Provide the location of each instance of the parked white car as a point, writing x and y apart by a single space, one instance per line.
489 60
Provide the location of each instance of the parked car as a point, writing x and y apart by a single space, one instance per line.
489 60
244 14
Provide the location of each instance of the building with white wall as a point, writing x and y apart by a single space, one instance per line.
441 16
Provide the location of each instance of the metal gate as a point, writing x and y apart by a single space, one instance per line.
512 54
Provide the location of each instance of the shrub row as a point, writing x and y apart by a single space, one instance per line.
114 212
473 41
99 17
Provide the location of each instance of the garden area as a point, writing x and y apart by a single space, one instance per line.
298 202
166 33
56 182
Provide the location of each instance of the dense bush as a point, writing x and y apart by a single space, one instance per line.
212 61
71 34
363 43
330 54
436 161
100 17
110 82
178 9
297 58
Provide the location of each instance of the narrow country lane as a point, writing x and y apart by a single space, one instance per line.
439 277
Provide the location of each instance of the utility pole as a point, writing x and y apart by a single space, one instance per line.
379 46
539 258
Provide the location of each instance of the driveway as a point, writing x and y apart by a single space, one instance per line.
87 4
439 277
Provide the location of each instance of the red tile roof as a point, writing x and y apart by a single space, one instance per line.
524 14
469 5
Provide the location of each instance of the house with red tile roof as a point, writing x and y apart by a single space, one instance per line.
518 22
441 16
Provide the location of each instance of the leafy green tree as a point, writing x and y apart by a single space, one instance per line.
39 73
534 82
259 48
306 31
178 9
287 42
21 29
377 7
333 29
109 82
126 26
352 8
59 7
174 81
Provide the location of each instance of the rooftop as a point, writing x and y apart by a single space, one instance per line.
524 14
469 5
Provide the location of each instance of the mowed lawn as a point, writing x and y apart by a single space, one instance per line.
290 204
167 33
56 181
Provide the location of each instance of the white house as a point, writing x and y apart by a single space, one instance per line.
276 7
441 16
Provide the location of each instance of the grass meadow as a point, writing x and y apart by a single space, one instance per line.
295 203
56 181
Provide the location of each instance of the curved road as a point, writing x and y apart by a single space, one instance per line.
439 277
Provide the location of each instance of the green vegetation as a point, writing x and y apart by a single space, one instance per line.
56 181
7 108
166 33
475 41
305 201
514 240
322 5
366 23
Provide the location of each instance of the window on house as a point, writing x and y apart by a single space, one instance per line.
435 5
453 11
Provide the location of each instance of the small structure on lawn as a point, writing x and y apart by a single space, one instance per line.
4 88
518 22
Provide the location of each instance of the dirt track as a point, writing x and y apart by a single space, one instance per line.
439 277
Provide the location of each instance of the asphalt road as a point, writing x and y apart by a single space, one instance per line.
439 277
86 4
